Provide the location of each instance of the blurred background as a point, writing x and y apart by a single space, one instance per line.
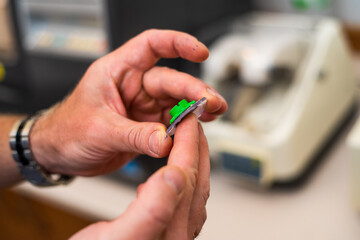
285 157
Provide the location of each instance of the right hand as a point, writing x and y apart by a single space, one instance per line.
171 204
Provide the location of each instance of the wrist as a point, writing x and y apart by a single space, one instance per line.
43 145
42 148
23 155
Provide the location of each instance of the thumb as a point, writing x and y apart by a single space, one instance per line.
150 214
142 137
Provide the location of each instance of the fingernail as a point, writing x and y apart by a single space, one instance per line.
175 179
215 93
154 141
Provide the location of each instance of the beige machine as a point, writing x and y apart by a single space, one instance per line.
290 81
353 147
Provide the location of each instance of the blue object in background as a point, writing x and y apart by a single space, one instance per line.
242 165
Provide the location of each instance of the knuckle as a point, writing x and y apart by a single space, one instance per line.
193 176
159 214
204 217
205 197
134 138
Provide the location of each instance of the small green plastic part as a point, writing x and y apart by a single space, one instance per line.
179 108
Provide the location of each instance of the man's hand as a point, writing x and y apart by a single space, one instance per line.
171 204
120 106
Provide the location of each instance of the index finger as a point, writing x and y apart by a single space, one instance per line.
144 50
185 151
163 83
185 155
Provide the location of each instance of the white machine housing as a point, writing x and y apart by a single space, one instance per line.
353 147
307 112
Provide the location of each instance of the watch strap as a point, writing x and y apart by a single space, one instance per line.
22 154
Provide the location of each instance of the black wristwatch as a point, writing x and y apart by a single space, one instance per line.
21 152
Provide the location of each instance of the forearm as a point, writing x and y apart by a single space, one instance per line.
9 172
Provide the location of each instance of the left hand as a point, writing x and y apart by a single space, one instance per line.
120 106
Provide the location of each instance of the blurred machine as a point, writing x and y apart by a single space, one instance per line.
52 42
290 82
46 45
